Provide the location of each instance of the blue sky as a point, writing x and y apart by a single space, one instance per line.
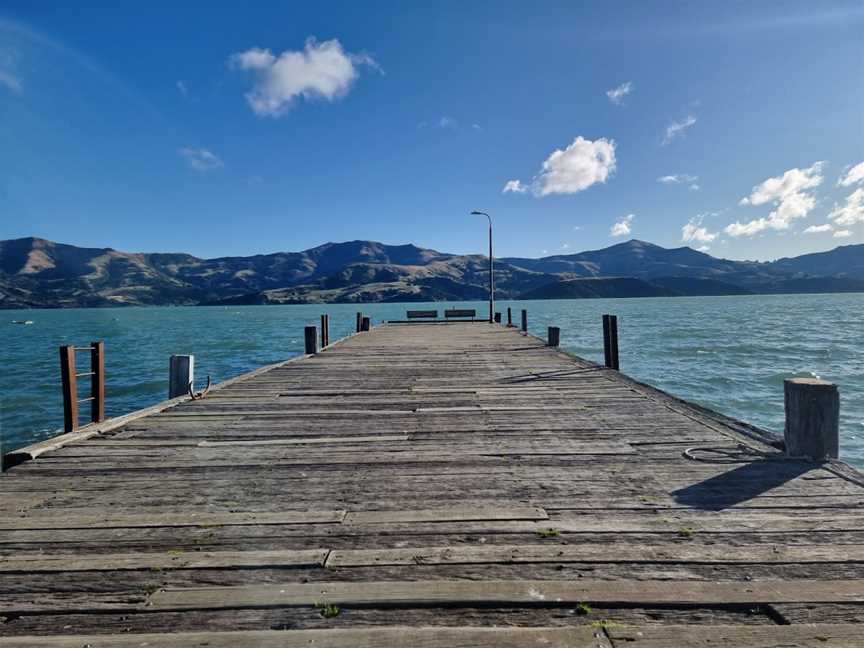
162 126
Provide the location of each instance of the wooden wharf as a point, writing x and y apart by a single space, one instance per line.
429 485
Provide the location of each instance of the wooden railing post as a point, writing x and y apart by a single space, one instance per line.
524 321
553 336
325 330
181 375
610 341
359 322
365 324
509 317
70 388
311 333
812 418
97 381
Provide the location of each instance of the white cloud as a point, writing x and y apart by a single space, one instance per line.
842 234
790 194
694 232
576 228
446 122
514 186
200 159
622 226
565 246
10 81
616 95
181 86
678 128
818 229
576 168
852 176
681 178
476 127
703 248
852 212
320 71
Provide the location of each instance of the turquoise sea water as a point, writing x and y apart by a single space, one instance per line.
727 353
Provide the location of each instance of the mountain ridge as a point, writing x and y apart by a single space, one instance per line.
37 272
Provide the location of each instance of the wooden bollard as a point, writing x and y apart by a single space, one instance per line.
812 418
365 324
610 341
311 335
509 317
181 375
70 388
325 330
553 336
97 381
359 322
524 321
497 318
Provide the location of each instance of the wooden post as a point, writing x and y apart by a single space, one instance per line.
610 341
613 338
359 321
497 318
554 336
365 324
70 388
509 317
181 374
311 340
812 418
524 321
325 330
97 381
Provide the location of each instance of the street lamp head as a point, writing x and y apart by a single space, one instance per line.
478 213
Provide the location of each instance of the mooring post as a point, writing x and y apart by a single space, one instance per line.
365 324
311 334
97 381
325 330
359 322
610 341
509 317
812 418
70 388
181 375
524 321
553 336
497 318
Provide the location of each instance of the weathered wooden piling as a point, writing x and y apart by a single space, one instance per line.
812 418
70 388
359 322
553 336
509 317
497 318
610 341
524 320
311 340
181 375
365 324
325 330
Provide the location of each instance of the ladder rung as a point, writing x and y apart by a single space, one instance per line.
83 400
89 373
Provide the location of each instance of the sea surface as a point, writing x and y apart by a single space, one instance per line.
727 353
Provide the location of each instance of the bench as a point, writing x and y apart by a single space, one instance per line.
419 314
461 313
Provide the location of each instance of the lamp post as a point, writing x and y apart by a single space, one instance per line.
491 277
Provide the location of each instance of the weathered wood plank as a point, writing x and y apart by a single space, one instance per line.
503 511
414 593
585 637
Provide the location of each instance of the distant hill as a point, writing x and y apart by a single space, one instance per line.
37 273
